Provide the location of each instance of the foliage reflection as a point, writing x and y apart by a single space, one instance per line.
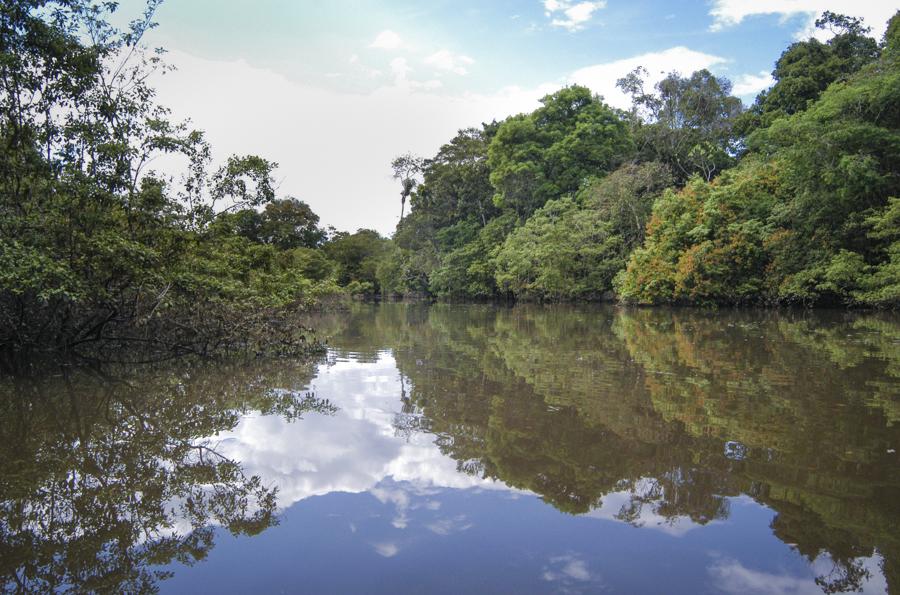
106 477
678 409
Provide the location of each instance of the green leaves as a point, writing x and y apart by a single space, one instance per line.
704 243
244 181
552 151
807 68
562 252
25 271
793 223
687 123
94 248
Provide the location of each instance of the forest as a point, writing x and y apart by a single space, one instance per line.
98 251
685 198
688 197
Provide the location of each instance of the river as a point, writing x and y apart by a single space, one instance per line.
473 448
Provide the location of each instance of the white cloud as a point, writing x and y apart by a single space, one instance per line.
447 60
320 136
400 68
731 576
577 569
356 449
748 85
571 15
334 147
601 78
431 85
448 526
566 569
388 550
387 40
727 13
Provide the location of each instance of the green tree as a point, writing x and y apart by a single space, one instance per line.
561 252
687 123
552 151
705 242
284 223
468 271
406 169
449 206
572 249
804 217
94 247
625 198
456 185
807 68
357 257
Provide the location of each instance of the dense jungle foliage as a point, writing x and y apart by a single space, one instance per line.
100 252
685 198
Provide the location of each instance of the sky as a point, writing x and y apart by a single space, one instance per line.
332 91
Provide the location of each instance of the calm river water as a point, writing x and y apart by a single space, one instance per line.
464 449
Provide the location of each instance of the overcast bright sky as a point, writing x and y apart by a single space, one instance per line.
333 90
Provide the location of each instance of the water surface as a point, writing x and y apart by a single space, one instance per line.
473 449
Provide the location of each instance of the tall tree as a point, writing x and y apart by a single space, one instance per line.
290 223
456 181
685 122
95 248
552 151
407 168
806 68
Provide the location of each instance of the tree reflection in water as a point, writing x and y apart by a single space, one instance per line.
108 475
645 416
678 409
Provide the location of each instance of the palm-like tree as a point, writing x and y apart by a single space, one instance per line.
406 168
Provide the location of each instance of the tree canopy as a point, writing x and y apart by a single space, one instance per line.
686 197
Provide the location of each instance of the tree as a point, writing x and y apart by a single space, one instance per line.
687 123
572 249
406 169
357 256
705 242
456 182
552 151
95 248
803 219
453 200
467 271
625 198
561 252
807 68
290 223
